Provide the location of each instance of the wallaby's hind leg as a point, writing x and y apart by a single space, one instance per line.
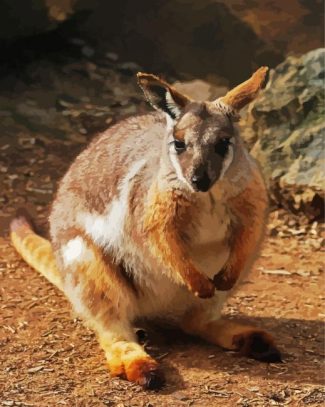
248 340
126 358
103 296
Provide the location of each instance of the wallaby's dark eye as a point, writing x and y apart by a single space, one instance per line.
222 146
179 146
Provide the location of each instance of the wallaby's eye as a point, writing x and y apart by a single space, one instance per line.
179 146
222 146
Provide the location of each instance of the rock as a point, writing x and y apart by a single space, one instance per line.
287 122
196 39
293 26
87 51
220 41
19 19
112 56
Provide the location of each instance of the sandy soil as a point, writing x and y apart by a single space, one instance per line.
47 357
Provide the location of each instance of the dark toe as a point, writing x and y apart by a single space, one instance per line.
153 380
262 349
272 355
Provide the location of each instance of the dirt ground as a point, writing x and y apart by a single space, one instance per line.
47 357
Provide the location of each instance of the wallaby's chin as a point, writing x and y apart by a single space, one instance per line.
202 189
205 189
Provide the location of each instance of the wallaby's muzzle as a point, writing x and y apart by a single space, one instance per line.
201 182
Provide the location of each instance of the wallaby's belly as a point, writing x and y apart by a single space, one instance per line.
163 300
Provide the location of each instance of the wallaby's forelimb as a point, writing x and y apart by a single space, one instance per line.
249 210
165 220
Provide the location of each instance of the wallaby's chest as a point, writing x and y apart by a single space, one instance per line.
209 244
209 251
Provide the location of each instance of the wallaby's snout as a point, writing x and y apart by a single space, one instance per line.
201 181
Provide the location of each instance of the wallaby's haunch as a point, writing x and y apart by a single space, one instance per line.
158 218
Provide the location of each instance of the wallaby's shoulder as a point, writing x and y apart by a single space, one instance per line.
128 130
114 150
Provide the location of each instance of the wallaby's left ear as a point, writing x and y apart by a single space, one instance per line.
247 91
161 95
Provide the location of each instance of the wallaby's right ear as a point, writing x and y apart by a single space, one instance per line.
161 95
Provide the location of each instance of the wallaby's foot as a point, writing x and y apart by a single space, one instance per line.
247 340
146 373
128 360
258 345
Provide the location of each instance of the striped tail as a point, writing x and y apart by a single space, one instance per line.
35 250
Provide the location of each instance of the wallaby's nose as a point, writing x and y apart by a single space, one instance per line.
201 182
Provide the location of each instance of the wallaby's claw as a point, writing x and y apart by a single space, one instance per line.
223 281
204 288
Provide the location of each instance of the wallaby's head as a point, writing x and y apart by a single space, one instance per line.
201 136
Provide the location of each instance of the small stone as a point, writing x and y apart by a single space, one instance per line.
77 41
253 389
82 131
180 396
112 56
87 51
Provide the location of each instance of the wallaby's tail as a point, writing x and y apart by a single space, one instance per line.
34 249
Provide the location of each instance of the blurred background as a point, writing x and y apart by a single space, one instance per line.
67 72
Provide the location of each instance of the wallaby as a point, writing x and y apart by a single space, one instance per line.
158 219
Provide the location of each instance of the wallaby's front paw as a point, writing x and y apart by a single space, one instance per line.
202 287
223 281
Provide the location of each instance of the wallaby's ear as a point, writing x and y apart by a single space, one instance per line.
161 95
247 91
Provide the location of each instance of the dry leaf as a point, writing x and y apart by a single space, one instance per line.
277 272
35 369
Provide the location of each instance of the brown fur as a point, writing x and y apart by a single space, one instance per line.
102 276
247 340
36 251
129 361
141 371
165 220
249 218
146 80
244 93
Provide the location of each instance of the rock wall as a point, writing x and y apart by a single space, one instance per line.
287 122
220 41
20 19
293 26
187 37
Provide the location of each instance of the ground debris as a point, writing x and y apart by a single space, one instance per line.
315 396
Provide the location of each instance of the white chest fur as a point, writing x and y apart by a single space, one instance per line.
209 248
